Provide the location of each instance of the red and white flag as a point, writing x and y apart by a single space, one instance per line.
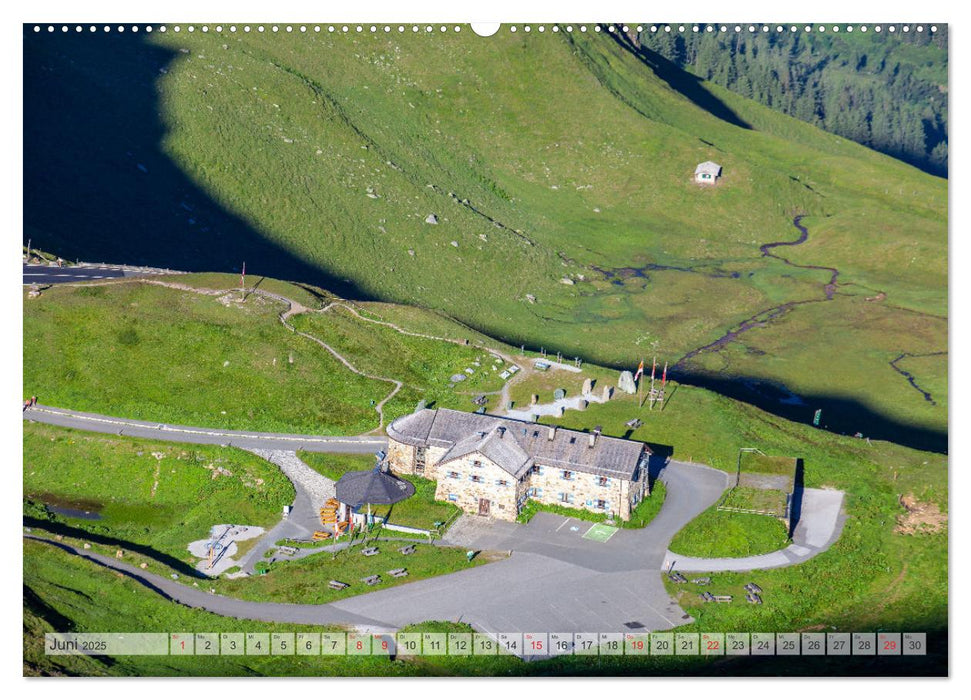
640 371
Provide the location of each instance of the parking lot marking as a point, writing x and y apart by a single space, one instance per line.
600 533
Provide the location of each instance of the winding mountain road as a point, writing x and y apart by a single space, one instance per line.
553 580
80 420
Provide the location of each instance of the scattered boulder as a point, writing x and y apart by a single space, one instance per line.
531 299
431 219
455 244
566 280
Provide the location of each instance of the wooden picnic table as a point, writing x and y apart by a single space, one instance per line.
369 551
398 573
407 549
338 585
371 580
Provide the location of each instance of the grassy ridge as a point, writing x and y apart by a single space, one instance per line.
148 352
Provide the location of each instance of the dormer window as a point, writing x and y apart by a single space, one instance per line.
566 475
476 463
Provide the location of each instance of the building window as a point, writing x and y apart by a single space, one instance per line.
452 497
502 482
476 478
453 475
536 469
602 504
566 475
566 498
603 481
476 463
534 492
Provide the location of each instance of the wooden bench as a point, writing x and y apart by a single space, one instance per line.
321 535
369 551
398 573
338 585
407 549
372 580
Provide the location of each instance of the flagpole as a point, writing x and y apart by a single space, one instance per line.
653 368
640 403
242 283
664 381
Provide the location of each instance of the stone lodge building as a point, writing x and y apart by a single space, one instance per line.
491 466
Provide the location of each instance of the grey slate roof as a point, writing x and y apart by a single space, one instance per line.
372 486
496 446
709 167
520 446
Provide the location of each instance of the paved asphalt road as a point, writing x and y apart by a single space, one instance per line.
820 525
553 580
47 274
204 436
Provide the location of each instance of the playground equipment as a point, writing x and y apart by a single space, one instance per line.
216 549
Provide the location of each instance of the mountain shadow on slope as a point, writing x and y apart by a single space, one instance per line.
98 184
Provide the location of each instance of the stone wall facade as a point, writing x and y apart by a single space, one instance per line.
470 480
478 486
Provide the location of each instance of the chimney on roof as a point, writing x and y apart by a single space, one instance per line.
594 435
501 431
552 433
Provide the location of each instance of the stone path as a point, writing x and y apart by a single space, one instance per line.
312 491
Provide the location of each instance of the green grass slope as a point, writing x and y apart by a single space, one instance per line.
544 157
155 496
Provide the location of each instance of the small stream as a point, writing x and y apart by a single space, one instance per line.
766 316
830 287
911 379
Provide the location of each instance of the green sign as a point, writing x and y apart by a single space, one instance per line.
817 416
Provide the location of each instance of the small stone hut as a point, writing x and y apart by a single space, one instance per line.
707 173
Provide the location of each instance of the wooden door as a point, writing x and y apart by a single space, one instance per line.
483 506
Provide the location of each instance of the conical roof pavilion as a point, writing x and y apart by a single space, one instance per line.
372 486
